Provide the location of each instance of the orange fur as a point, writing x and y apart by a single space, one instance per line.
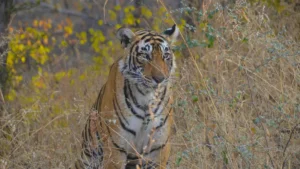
116 136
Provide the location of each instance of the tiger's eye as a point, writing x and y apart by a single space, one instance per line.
146 48
167 56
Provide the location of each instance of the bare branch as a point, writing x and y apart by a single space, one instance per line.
104 7
67 11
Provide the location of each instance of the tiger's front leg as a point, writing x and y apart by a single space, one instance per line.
159 159
114 159
115 156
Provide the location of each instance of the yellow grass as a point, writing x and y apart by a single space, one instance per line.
237 104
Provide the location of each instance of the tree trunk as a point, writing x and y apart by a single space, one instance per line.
6 7
137 13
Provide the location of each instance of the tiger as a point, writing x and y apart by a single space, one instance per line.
130 123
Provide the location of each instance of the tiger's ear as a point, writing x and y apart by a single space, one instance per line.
125 35
172 33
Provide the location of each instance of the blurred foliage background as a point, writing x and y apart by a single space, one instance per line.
237 91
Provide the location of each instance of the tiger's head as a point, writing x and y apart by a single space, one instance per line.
150 61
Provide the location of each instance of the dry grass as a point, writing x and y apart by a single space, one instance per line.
239 109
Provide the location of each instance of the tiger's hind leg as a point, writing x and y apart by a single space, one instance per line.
91 156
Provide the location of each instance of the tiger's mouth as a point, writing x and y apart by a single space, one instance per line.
137 77
154 83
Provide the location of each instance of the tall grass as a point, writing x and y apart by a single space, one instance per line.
237 99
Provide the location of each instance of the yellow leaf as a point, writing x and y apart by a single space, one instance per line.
68 30
45 40
40 70
28 42
100 22
11 95
58 76
23 59
112 15
18 79
117 7
82 37
146 12
38 82
35 23
72 82
109 43
253 130
63 43
21 47
203 25
10 60
82 77
118 26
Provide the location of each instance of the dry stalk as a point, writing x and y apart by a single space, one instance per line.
288 142
104 7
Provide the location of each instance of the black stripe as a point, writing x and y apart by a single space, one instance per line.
86 164
89 130
148 40
132 47
142 32
118 110
98 137
138 61
87 152
166 118
148 34
97 104
155 149
134 61
132 157
160 40
130 106
121 122
160 37
158 148
85 132
100 151
139 90
118 106
114 143
129 64
144 108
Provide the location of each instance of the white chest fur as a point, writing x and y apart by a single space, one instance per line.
149 131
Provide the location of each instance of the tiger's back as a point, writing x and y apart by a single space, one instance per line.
130 122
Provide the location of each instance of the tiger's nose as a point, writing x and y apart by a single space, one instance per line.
158 79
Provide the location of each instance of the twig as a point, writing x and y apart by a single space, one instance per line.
2 101
2 105
267 144
104 7
288 142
